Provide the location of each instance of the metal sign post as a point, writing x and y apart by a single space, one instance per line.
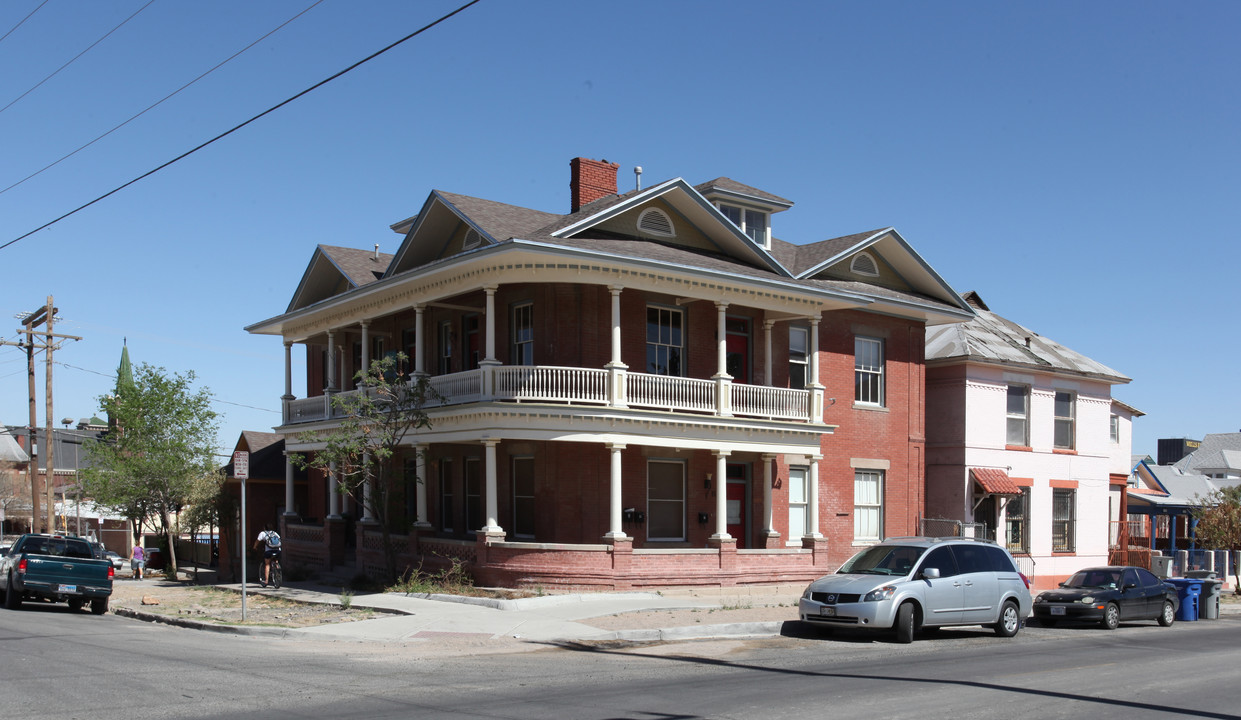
241 471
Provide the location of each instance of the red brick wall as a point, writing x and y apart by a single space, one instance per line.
590 180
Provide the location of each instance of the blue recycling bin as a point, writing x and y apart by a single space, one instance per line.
1188 590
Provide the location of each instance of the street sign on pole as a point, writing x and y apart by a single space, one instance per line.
241 465
241 471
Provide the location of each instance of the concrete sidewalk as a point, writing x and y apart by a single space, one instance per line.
548 618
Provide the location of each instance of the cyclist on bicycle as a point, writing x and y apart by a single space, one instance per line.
270 540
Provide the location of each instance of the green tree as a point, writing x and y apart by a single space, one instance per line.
1219 525
162 444
364 447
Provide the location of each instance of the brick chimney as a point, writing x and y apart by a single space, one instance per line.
591 180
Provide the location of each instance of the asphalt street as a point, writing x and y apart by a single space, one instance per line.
74 665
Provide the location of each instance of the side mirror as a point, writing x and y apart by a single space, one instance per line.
930 573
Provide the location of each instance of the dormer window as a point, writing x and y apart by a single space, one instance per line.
751 222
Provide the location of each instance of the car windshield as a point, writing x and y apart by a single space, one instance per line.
1101 578
883 560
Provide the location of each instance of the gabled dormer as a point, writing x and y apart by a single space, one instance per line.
336 270
750 209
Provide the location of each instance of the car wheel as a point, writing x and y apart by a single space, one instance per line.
1168 615
76 604
1111 617
1010 621
905 623
12 598
99 606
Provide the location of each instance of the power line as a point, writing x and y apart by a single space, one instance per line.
75 57
161 101
213 399
238 127
23 20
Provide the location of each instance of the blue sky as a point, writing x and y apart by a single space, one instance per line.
1077 164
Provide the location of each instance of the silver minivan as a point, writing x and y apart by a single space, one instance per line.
911 583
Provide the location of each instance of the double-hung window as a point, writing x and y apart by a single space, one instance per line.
1018 423
1064 431
868 371
751 222
523 334
1063 514
523 497
799 357
664 340
665 500
799 502
443 362
1113 430
447 511
473 494
867 505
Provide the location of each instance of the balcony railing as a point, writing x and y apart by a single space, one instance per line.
589 386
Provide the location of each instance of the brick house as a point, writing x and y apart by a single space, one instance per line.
1025 440
648 390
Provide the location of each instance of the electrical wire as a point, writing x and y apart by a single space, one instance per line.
161 101
23 20
75 57
226 133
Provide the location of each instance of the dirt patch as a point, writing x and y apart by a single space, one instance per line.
206 603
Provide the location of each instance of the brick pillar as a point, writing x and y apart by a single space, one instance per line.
622 562
334 538
819 546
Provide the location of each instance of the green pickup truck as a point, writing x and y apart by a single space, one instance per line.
55 568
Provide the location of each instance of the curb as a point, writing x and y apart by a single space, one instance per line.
272 632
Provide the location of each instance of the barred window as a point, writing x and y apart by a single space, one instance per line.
1063 514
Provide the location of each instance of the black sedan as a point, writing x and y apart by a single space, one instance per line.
1108 595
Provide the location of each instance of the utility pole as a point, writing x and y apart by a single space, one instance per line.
30 321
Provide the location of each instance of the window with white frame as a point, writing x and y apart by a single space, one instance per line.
1018 421
523 334
1063 515
751 222
1065 434
867 505
1113 430
523 497
474 494
446 495
665 500
799 502
664 340
443 364
799 356
868 371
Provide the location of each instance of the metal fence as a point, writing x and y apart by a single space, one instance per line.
942 527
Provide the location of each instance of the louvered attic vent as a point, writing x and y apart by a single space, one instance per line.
864 264
472 239
656 222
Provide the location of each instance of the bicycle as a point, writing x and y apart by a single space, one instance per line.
276 578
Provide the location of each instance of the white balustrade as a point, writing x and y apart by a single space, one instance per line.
671 393
554 384
770 402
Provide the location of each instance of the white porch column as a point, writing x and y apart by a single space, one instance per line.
333 498
615 528
331 363
723 381
616 369
721 495
768 462
288 371
767 369
493 506
814 386
812 531
491 324
366 346
419 345
420 486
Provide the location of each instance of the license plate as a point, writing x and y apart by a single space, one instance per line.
827 611
68 588
1057 610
